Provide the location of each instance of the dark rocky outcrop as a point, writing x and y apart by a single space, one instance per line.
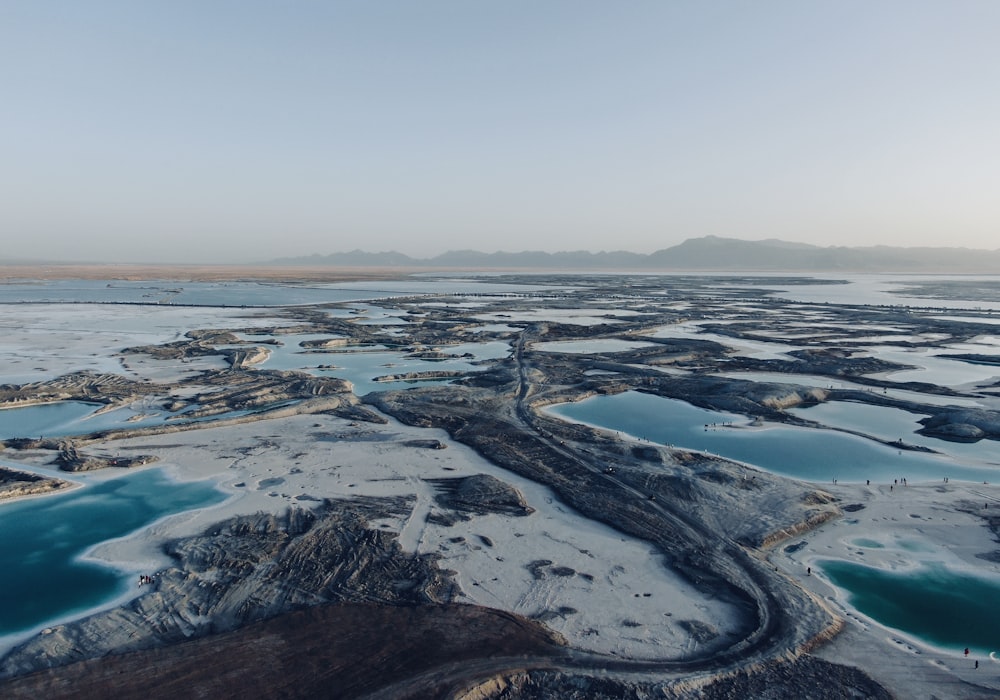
480 494
70 459
963 425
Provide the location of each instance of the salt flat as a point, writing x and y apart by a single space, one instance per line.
660 568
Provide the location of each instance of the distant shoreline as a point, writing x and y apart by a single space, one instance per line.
16 274
706 255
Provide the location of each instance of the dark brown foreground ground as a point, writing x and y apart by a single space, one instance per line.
329 651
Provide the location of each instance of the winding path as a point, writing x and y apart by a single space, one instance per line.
785 619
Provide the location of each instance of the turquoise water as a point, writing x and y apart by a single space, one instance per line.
41 575
947 608
800 453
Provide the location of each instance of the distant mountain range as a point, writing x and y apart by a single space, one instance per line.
710 253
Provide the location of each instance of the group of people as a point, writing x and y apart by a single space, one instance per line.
897 482
143 578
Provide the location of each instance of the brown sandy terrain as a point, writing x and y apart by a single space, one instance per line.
328 651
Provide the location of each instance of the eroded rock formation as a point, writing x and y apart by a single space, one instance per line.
247 569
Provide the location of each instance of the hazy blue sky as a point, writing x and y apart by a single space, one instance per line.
244 130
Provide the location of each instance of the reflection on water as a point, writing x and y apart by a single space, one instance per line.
76 418
43 420
879 290
930 369
71 418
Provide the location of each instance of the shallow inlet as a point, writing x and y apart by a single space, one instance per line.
43 420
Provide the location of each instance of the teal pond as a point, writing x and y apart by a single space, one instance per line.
45 575
947 608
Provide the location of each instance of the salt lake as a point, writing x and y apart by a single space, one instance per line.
45 541
800 453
